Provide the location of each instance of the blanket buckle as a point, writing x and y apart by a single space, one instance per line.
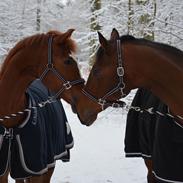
8 133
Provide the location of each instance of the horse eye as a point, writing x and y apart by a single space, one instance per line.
96 72
69 61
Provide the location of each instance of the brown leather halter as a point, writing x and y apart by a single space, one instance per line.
102 101
50 67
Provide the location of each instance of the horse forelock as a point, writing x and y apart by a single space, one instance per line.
69 43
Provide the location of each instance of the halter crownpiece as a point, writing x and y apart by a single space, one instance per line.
120 68
120 85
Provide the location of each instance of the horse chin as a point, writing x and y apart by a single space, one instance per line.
89 121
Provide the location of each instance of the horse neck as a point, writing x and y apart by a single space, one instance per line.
13 85
152 69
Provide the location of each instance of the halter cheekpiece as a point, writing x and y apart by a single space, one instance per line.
120 85
50 67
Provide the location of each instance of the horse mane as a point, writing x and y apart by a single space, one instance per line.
127 38
69 45
164 47
100 50
19 46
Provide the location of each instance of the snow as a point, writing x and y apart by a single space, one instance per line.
98 155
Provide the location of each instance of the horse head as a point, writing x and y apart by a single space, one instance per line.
125 63
64 79
106 82
48 57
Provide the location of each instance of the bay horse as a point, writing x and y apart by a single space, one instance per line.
49 57
125 63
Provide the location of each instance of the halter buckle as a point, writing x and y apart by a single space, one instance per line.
67 85
120 71
101 102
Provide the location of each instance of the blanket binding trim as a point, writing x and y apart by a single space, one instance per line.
51 165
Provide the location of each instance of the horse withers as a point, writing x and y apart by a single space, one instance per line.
125 63
38 66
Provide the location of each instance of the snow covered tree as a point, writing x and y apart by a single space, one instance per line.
159 20
94 26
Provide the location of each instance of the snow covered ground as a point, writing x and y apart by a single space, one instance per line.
98 154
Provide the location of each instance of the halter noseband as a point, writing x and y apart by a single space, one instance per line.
50 67
120 86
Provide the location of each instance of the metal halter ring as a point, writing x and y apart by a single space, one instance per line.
67 85
101 101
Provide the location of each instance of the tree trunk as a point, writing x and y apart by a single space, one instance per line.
130 14
38 16
94 26
146 18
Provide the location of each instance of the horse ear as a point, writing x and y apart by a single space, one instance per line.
114 35
103 41
66 35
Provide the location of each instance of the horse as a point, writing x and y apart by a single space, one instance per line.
156 138
124 63
47 56
152 137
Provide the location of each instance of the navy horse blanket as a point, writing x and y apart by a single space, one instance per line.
43 138
159 138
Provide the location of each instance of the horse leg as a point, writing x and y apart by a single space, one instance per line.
47 175
4 178
19 181
35 179
45 178
150 176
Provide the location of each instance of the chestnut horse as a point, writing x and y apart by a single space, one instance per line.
42 55
125 63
